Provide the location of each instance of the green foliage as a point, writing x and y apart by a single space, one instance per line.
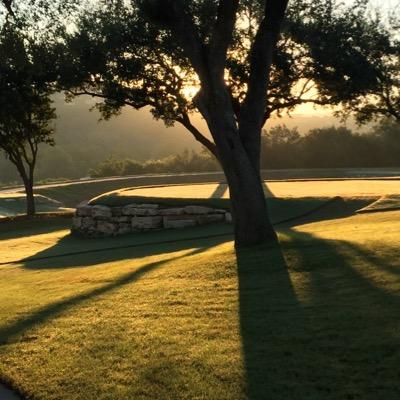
355 53
331 147
184 162
118 55
25 106
282 147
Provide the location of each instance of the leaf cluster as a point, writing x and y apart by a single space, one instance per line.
25 106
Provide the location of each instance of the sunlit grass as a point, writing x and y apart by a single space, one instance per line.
344 188
316 318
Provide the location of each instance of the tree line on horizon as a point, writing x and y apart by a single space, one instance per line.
282 148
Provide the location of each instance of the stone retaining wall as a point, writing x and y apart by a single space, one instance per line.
96 221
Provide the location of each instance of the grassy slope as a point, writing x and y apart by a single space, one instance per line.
15 204
296 189
71 195
385 203
316 318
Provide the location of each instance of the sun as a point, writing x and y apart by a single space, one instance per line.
190 91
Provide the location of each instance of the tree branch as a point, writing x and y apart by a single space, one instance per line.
185 121
222 35
7 5
252 111
261 58
293 103
82 92
173 14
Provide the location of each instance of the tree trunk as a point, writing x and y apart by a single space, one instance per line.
30 199
249 207
241 167
249 210
27 179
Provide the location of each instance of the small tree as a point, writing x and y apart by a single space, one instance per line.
25 107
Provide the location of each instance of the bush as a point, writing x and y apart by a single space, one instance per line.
281 147
183 162
331 147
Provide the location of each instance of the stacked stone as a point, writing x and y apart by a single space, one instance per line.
94 221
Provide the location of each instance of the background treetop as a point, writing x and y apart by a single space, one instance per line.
123 53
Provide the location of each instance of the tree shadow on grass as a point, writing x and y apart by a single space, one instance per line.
71 251
267 308
339 341
55 309
220 191
37 226
387 264
222 188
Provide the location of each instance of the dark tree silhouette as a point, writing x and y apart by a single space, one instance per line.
25 106
162 46
235 62
357 58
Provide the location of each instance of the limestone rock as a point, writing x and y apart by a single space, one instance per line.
116 211
148 206
88 223
76 222
210 218
97 221
146 211
121 219
197 210
130 209
150 222
173 222
124 228
100 212
133 209
172 211
106 228
84 211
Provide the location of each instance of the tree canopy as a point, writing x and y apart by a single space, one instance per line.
25 106
356 58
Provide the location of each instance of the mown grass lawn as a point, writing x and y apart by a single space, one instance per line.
314 318
15 204
283 189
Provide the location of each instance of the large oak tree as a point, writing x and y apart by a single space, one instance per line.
165 47
229 60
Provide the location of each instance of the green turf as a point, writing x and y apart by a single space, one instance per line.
73 194
314 318
279 189
15 204
385 203
280 209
